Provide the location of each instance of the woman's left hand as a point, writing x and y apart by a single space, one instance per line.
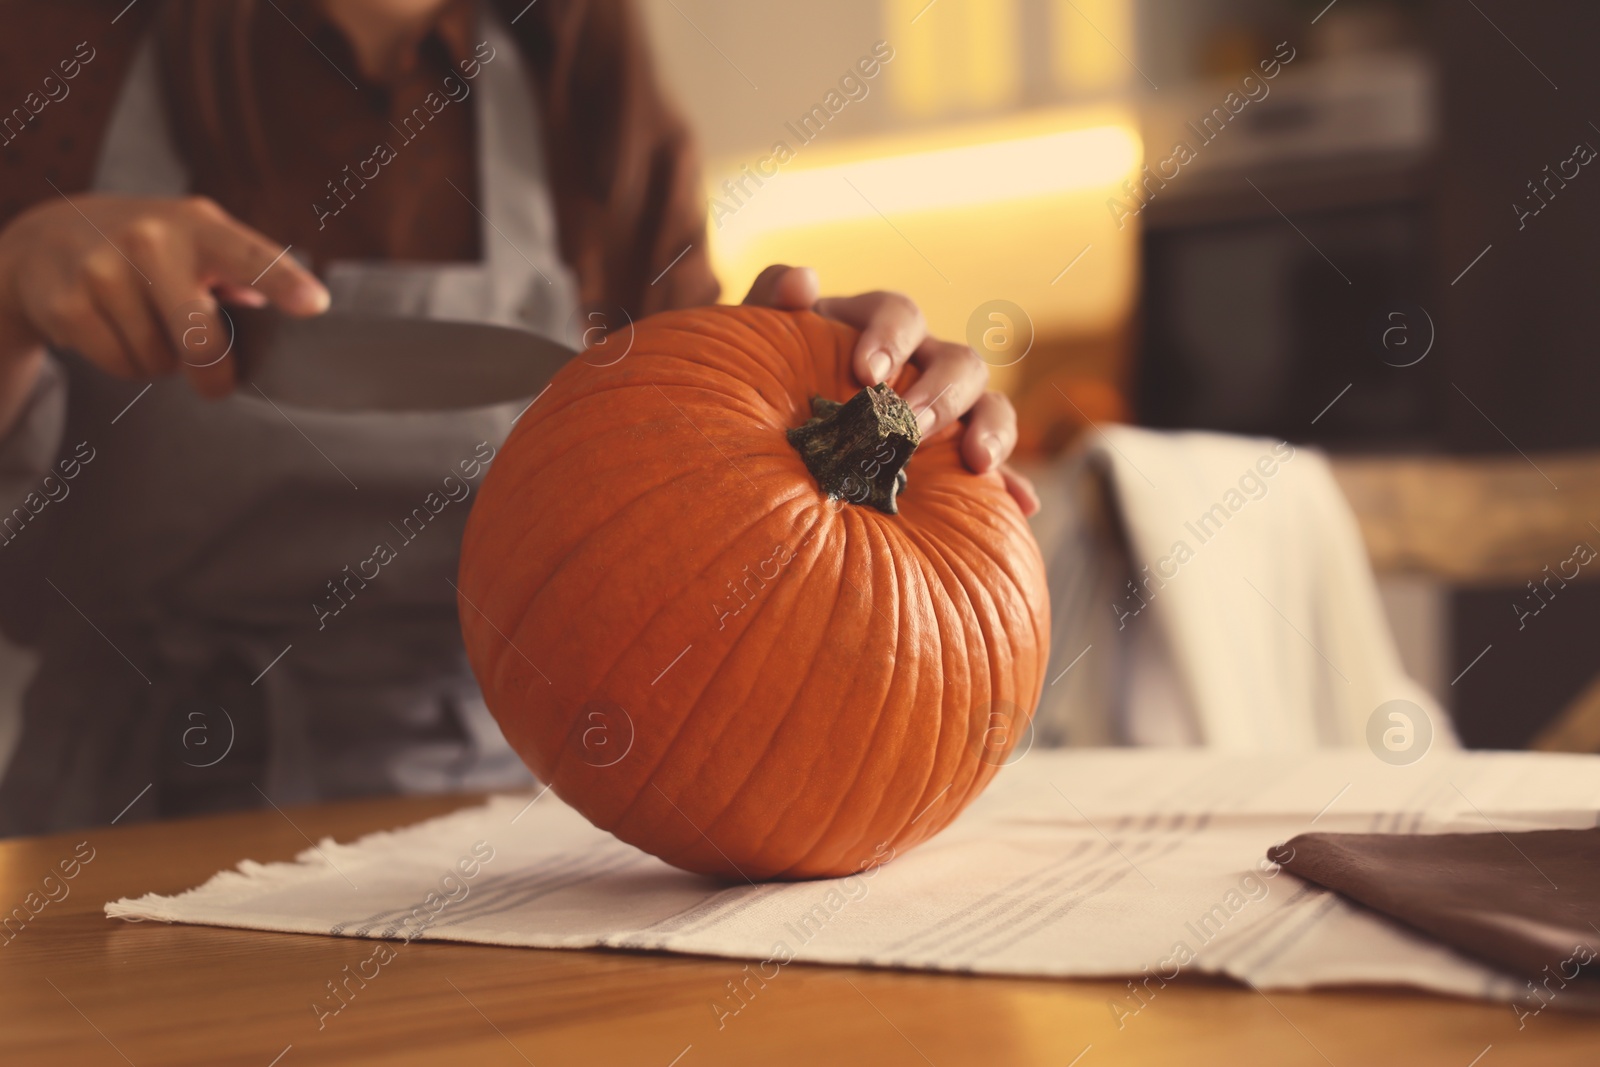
954 382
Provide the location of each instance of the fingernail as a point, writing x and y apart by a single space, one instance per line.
926 420
878 365
990 443
314 298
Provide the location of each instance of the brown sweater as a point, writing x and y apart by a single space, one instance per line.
268 108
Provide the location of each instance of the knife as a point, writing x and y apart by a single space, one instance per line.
353 362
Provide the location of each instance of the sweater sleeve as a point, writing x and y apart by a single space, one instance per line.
61 65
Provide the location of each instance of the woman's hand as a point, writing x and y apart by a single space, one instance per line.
954 380
130 283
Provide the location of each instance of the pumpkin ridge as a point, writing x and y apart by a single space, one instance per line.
925 570
729 366
733 807
980 605
907 579
697 429
975 587
574 443
722 382
629 645
532 532
935 515
823 825
666 753
528 533
920 568
738 361
947 748
911 536
874 522
532 604
791 325
950 504
741 400
956 530
963 579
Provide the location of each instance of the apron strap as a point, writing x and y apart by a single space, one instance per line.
520 243
136 155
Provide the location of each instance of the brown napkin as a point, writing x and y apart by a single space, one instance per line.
1528 903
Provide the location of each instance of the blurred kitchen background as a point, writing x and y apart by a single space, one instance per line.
1381 250
1343 262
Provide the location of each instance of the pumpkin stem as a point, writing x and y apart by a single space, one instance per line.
856 450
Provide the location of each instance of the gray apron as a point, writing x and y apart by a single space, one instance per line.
243 640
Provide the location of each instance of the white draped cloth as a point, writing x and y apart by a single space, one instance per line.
1217 591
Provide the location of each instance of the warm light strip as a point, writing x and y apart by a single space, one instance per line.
1043 165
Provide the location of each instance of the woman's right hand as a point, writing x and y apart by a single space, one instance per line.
131 284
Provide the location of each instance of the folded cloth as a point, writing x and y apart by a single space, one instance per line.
1074 863
1526 902
1218 592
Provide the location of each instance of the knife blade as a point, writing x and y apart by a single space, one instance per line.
352 362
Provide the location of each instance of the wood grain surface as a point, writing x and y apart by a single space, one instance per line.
1476 520
78 988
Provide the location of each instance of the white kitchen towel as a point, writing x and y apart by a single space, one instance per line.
1074 863
1226 592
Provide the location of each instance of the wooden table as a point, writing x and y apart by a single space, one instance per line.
77 988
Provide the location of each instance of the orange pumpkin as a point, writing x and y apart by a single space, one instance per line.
714 658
